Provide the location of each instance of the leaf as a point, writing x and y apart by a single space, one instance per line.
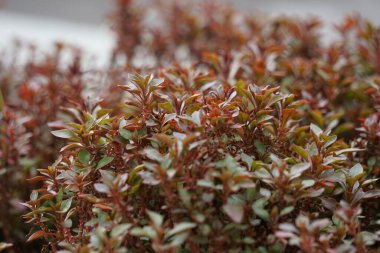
264 118
120 230
260 147
125 134
64 133
102 188
356 170
301 151
107 176
169 117
185 196
104 161
368 237
247 159
335 177
297 169
259 210
329 203
319 224
288 227
307 183
313 193
286 210
345 127
65 205
103 207
317 116
196 117
348 150
146 231
262 173
315 129
205 183
313 149
153 154
234 211
276 98
330 141
36 235
84 156
372 194
4 245
156 218
180 227
178 239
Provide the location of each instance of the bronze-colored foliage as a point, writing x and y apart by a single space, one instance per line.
240 133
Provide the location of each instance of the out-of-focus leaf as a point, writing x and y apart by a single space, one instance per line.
181 227
315 129
65 205
120 230
156 218
234 211
104 161
3 245
36 235
64 133
84 156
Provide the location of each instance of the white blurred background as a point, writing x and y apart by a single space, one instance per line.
83 22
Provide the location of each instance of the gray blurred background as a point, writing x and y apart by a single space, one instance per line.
82 22
93 11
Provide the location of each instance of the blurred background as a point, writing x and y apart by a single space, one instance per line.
84 22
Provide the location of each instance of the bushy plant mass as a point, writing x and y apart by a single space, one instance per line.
214 131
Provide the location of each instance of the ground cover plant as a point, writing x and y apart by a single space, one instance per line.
215 131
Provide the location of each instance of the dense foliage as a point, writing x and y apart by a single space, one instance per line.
240 133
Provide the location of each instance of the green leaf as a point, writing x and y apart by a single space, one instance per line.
120 230
286 210
155 217
104 161
84 157
356 170
64 133
181 227
185 196
307 183
125 134
65 205
297 169
259 210
345 127
196 118
146 231
313 149
153 154
247 159
315 129
205 183
260 147
330 141
317 116
301 151
348 150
